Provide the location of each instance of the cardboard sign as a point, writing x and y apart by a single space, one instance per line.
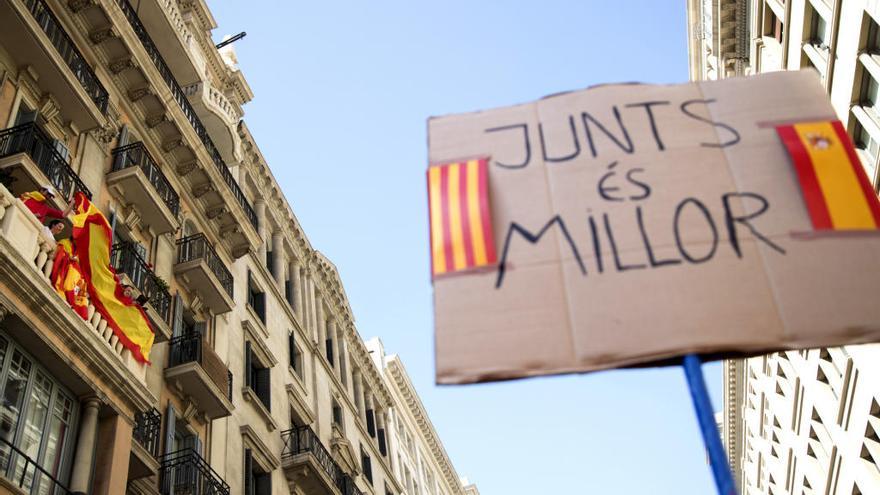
636 223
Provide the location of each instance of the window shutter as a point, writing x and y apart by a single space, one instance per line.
177 322
367 465
263 387
248 381
291 348
371 423
288 292
382 447
170 421
329 345
260 305
264 484
248 473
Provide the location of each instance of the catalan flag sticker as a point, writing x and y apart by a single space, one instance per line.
461 225
836 190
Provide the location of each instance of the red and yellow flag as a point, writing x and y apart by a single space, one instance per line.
461 226
835 187
91 238
68 281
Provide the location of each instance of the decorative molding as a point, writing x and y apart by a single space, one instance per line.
122 64
268 461
100 35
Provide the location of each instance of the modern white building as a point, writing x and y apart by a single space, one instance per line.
801 422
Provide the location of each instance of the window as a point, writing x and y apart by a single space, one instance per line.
337 414
36 415
366 465
270 261
288 293
256 481
869 90
257 376
773 26
328 345
295 354
868 149
818 30
371 423
256 299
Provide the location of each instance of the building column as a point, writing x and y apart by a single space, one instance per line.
293 269
260 206
278 252
85 447
113 453
310 293
321 326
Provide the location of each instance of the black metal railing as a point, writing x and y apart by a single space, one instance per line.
146 430
189 112
29 138
192 348
185 471
126 259
197 247
67 49
23 472
136 155
302 440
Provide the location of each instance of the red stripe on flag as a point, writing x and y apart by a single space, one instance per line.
856 163
810 188
430 216
465 217
485 216
444 210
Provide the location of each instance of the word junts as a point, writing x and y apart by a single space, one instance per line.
601 230
619 139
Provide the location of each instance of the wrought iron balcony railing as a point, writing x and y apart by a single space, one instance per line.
136 155
185 471
30 139
26 474
146 430
302 440
197 246
67 49
192 348
180 97
126 259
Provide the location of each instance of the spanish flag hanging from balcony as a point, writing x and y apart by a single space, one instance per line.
68 281
836 189
92 238
461 224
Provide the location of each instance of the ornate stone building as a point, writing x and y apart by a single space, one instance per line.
259 381
801 421
420 462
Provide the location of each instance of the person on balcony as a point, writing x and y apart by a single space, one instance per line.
38 203
52 229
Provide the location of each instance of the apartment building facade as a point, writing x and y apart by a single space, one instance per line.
801 421
420 462
259 382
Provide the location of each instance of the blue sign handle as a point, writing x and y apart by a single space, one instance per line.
706 417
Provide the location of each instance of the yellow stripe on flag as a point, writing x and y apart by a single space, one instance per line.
473 204
439 256
458 257
837 179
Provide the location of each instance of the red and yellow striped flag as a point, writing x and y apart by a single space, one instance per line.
835 187
461 226
91 238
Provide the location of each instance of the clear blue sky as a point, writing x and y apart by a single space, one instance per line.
343 91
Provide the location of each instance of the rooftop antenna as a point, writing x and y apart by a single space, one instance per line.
231 40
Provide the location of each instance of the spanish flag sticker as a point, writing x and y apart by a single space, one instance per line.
836 190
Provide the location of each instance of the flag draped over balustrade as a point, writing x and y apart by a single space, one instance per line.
67 279
92 238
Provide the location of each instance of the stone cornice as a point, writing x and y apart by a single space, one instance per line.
417 410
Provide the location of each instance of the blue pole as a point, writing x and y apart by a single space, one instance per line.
717 458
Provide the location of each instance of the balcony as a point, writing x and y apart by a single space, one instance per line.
198 371
145 448
180 98
219 115
153 290
186 472
29 155
202 272
40 41
138 181
21 474
308 465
